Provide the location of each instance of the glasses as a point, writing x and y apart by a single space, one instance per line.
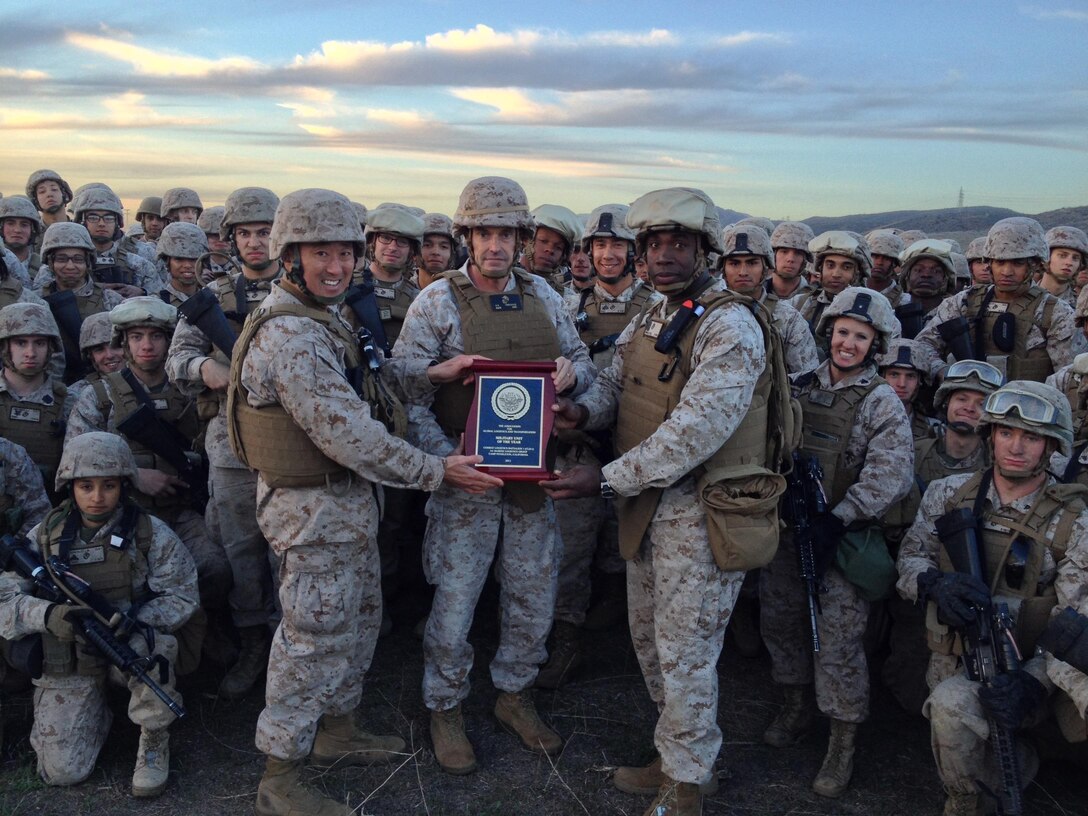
984 372
94 218
386 240
68 260
1031 408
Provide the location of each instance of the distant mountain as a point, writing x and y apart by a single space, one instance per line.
729 216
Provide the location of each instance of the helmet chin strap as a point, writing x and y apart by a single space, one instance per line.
1024 475
870 357
297 277
963 428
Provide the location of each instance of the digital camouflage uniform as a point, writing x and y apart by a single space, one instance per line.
797 341
679 600
463 531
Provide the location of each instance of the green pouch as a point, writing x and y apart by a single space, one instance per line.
864 560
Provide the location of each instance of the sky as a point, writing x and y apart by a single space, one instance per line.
778 109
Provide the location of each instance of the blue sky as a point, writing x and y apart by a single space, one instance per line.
774 108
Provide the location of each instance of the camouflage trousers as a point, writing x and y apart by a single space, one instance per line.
72 718
839 669
231 518
679 603
212 567
581 522
462 540
960 734
330 595
397 530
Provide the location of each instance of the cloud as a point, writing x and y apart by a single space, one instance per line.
159 63
654 38
481 38
28 75
125 112
749 37
1076 15
510 104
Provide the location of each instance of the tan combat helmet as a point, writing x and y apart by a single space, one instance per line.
247 205
910 236
361 211
181 240
968 375
1015 238
177 197
97 197
97 330
863 305
607 221
793 235
976 250
748 239
211 220
150 205
94 454
28 320
563 221
38 176
395 219
144 311
1031 406
493 201
677 208
904 353
963 269
847 244
65 235
438 224
18 206
885 242
314 216
936 249
765 224
1069 238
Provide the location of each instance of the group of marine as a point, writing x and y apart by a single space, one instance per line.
220 424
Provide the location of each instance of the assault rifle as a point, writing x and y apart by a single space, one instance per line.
204 312
989 648
956 334
56 583
805 500
66 312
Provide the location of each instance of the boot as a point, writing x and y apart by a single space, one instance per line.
676 799
451 746
564 658
152 763
251 664
281 793
838 765
793 721
961 804
517 713
611 607
647 781
339 742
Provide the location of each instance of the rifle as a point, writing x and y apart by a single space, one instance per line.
366 380
56 583
204 312
989 648
361 300
956 334
804 500
910 318
66 312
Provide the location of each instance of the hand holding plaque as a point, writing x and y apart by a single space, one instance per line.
510 421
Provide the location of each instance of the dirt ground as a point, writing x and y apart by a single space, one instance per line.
604 715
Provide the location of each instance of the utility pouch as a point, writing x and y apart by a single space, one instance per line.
741 505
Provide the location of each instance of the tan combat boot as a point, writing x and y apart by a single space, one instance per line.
961 804
251 663
564 657
838 765
451 746
648 780
793 721
152 763
676 799
517 713
339 742
281 793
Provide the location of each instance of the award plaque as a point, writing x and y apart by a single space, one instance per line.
510 421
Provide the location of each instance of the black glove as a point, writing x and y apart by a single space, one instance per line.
827 533
1067 639
1012 698
60 620
955 593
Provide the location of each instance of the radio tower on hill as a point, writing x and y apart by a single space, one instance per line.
960 204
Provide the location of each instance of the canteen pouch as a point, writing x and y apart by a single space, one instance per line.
741 505
863 559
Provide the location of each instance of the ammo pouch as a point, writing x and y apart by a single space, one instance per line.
207 405
862 557
1004 333
741 505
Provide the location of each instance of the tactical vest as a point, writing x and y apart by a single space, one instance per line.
894 294
393 302
1065 501
171 406
503 326
607 320
267 439
109 570
38 427
117 270
811 309
1076 391
1020 364
921 427
829 416
646 401
10 290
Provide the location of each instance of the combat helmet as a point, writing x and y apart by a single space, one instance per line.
493 201
144 311
676 208
177 197
65 234
182 240
247 205
1031 406
28 319
885 242
607 221
150 205
211 220
95 453
904 353
793 235
747 239
395 219
38 176
314 216
1069 238
841 242
97 197
438 224
96 330
361 212
976 250
18 206
1015 238
936 249
765 224
866 306
968 375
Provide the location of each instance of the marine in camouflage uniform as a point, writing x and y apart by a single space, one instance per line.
100 356
50 193
294 416
1068 258
547 254
885 247
438 252
928 271
791 255
977 262
493 308
1016 499
21 229
200 368
139 564
679 599
905 368
1040 336
149 216
856 426
587 526
180 249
